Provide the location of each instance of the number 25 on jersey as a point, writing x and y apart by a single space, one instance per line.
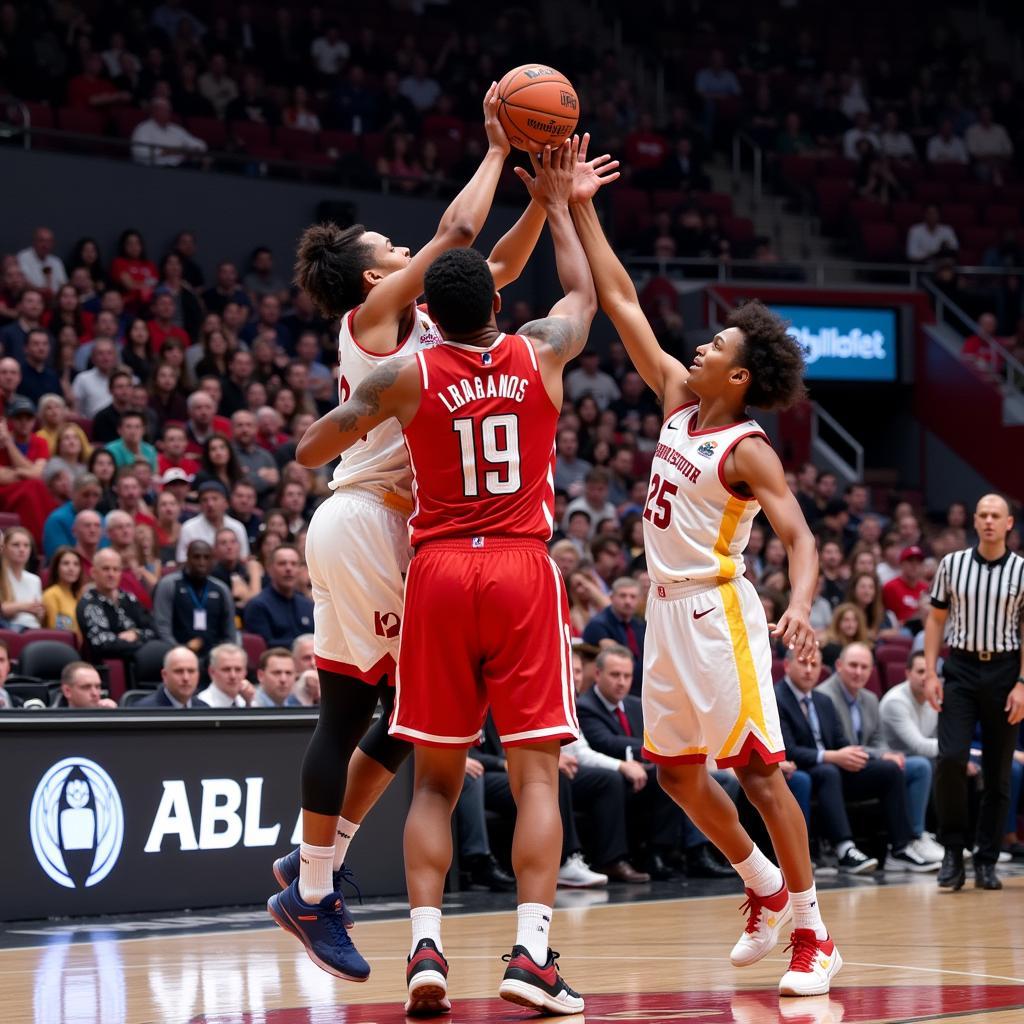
496 444
658 511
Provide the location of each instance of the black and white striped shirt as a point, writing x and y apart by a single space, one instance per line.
985 600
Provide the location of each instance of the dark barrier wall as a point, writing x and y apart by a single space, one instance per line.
115 812
230 214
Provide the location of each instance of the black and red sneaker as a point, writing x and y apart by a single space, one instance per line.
427 978
526 983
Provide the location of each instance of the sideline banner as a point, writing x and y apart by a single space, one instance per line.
109 812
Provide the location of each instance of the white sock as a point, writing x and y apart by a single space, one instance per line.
315 872
759 874
534 923
806 913
346 833
843 847
426 924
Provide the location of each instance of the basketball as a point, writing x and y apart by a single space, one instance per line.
538 107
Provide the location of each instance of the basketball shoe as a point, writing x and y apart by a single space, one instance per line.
766 917
813 965
527 983
321 928
286 871
426 974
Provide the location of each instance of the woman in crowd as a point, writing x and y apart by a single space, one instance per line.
276 522
132 272
774 556
298 114
60 598
68 453
21 591
137 353
752 554
218 462
215 352
147 564
64 360
67 312
586 599
168 525
53 418
400 165
864 592
255 396
188 310
166 398
566 557
172 351
86 253
862 559
589 415
848 626
103 467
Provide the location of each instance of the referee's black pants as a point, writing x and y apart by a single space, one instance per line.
975 692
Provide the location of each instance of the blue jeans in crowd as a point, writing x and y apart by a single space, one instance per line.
917 777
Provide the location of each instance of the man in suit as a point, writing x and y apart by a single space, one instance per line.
839 770
620 624
180 676
859 715
612 721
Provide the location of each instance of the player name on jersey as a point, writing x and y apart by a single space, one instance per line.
470 389
677 460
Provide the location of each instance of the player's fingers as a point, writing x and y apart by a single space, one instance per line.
583 146
523 176
534 161
575 149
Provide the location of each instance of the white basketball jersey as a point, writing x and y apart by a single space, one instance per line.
379 462
695 526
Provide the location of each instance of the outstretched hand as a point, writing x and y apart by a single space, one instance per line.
590 175
553 169
496 137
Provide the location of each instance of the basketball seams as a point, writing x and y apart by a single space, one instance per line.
555 79
542 113
553 122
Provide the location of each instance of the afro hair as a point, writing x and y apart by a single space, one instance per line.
459 290
774 358
329 266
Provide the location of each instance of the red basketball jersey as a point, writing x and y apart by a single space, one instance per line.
482 443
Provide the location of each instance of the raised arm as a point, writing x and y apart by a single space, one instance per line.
665 376
514 248
753 464
459 226
392 390
563 332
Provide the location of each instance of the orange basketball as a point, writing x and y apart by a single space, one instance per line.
538 107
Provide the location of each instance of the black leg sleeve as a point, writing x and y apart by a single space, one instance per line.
387 751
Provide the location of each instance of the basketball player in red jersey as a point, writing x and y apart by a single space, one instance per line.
707 661
358 543
487 615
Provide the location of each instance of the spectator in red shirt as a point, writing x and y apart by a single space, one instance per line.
120 530
92 89
135 275
22 457
128 489
977 351
902 595
269 434
174 454
646 150
162 326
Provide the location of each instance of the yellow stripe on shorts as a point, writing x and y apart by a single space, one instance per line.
730 521
751 708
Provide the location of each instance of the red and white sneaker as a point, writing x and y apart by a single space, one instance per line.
766 917
427 978
813 965
527 983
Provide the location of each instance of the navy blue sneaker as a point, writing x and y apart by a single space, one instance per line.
321 929
286 870
426 974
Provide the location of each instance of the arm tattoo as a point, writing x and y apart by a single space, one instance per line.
560 332
366 400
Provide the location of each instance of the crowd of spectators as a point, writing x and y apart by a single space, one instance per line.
163 521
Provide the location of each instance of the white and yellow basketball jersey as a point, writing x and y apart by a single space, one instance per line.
379 462
695 526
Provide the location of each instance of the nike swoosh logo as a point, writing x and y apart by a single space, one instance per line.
700 615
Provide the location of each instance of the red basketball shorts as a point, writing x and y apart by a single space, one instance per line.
486 624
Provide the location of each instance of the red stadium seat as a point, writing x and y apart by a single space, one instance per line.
979 239
893 674
126 120
16 642
799 169
84 122
778 669
904 215
890 653
631 212
868 211
251 134
874 683
950 172
1002 216
372 145
881 242
40 115
719 202
836 167
932 192
296 142
209 129
114 670
833 195
974 192
959 216
254 646
666 199
339 142
739 230
9 519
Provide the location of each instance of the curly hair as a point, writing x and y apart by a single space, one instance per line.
459 290
774 359
329 266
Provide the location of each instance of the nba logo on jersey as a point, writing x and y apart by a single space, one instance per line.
485 358
707 449
478 542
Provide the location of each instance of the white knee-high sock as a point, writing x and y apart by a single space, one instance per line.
426 924
315 872
346 833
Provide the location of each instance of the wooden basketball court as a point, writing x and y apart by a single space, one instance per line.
912 953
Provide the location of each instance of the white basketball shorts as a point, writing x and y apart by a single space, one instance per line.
707 688
357 551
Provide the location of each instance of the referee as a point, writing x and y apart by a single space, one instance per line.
977 601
